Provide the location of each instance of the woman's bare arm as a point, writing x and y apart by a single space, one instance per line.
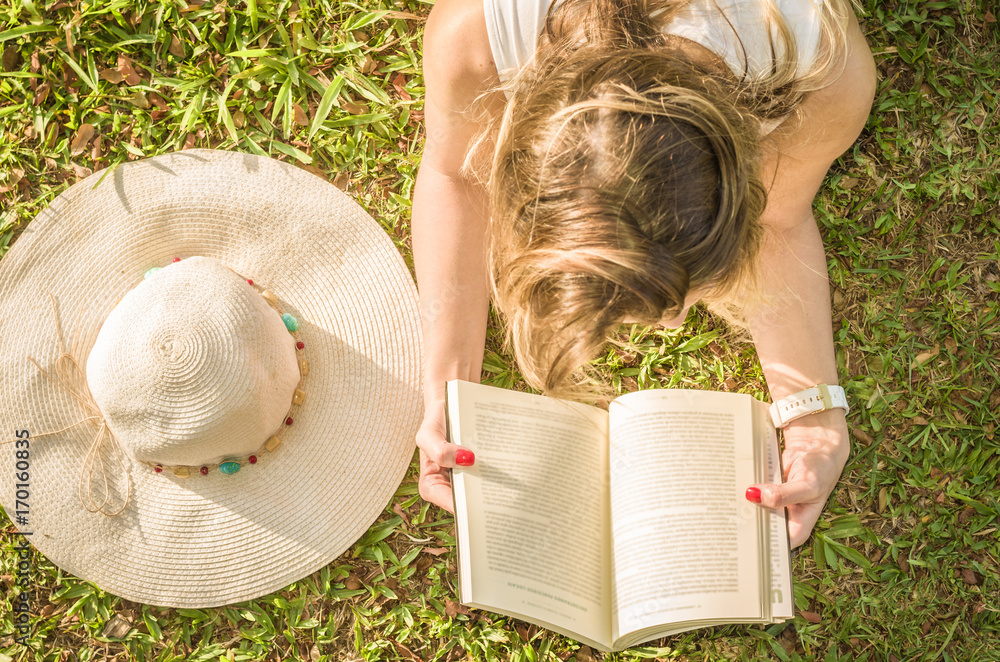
793 332
449 226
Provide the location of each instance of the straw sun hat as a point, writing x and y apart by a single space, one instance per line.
216 358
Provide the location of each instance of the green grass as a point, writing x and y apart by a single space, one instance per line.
905 562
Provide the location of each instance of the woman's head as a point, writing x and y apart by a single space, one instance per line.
623 182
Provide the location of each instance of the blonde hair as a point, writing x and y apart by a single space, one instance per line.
624 176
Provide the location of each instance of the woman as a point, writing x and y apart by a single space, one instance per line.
643 155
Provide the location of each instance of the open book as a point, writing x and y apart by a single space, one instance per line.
616 527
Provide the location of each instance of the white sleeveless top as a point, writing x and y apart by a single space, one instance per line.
736 30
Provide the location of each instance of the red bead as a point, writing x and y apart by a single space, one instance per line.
288 421
253 459
249 281
157 468
300 345
177 259
204 471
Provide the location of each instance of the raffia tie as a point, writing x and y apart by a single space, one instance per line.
69 377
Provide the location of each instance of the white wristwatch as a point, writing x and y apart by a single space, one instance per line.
810 401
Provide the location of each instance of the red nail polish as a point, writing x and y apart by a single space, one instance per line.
753 494
464 457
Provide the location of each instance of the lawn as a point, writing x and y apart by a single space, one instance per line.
905 562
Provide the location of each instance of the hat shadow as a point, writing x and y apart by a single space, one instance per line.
348 375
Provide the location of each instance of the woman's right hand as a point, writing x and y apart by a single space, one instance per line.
437 457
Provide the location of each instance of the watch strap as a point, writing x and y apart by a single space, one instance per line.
810 401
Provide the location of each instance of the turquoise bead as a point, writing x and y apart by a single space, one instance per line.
291 323
229 467
150 272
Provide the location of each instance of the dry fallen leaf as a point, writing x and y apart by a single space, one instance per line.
423 563
342 181
396 508
189 141
452 608
862 436
969 577
52 135
436 551
127 70
399 83
352 582
80 171
176 47
404 650
83 136
117 627
299 115
111 75
158 101
41 93
139 100
369 65
11 55
354 108
15 179
239 119
924 357
811 616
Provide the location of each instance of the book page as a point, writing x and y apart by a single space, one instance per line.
782 595
532 512
686 543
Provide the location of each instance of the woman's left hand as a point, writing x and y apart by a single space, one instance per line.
816 449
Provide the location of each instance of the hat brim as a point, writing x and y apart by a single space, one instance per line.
215 539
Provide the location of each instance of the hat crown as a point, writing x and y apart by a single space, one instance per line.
193 366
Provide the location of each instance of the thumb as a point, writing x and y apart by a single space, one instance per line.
787 494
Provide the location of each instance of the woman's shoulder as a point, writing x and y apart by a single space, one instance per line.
830 118
456 49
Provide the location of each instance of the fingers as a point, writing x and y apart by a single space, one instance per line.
437 456
801 520
434 486
443 454
431 440
781 496
804 505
